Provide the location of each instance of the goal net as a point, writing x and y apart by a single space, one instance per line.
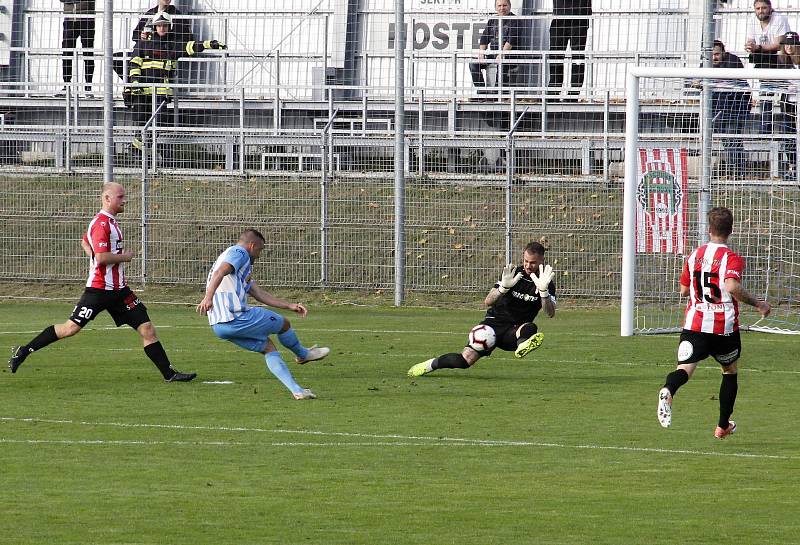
699 138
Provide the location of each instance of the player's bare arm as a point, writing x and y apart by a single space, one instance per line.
549 306
216 279
269 299
109 258
492 297
736 289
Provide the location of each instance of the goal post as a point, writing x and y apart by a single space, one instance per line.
684 155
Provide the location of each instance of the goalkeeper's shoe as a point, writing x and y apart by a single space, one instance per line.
305 393
721 433
532 343
18 355
314 353
422 368
665 408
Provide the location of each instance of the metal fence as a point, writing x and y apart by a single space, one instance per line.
312 166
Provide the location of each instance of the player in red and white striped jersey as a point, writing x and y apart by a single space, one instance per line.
712 279
711 308
104 235
106 289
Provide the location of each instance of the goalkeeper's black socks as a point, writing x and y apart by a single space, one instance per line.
675 380
159 357
47 336
527 331
727 397
449 361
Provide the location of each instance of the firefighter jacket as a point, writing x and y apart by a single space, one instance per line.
154 61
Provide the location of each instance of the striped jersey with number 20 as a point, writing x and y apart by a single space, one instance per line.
105 235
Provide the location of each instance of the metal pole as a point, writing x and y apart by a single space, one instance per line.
108 90
606 123
510 163
323 214
629 204
706 125
145 190
241 132
154 120
420 127
68 144
399 153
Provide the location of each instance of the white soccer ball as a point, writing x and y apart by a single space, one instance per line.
482 338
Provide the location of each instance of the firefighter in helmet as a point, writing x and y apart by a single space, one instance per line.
153 65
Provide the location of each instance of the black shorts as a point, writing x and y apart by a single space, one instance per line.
122 305
695 347
506 334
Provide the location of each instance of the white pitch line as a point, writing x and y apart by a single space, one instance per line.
102 442
426 440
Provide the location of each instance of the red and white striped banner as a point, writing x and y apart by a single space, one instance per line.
661 201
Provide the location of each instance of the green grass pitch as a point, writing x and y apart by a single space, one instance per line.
562 447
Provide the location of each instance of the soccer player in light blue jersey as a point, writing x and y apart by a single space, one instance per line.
232 319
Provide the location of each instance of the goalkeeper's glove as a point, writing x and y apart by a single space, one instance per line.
508 279
543 279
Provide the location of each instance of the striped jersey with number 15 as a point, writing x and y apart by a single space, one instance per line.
711 308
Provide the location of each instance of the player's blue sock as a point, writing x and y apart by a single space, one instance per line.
289 339
277 367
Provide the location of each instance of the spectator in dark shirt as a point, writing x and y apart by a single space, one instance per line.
490 40
730 108
566 30
83 27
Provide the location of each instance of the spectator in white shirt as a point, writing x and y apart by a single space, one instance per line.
764 33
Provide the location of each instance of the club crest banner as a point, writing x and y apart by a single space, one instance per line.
661 201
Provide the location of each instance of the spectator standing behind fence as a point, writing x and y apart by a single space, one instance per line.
81 27
153 63
778 105
142 31
730 108
764 32
565 30
490 39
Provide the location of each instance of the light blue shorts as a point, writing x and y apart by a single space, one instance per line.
252 329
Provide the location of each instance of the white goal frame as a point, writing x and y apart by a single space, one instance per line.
632 112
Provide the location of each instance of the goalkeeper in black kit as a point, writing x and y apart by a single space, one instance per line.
153 63
514 302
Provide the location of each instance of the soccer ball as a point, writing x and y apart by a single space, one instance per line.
482 338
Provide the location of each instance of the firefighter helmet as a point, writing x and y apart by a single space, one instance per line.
161 18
